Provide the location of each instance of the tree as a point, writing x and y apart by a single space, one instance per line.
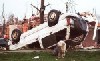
41 10
11 19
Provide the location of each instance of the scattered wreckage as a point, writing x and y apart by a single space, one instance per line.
71 27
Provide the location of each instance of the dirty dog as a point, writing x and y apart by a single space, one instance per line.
60 49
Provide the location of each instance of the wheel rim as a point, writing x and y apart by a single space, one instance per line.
15 35
52 16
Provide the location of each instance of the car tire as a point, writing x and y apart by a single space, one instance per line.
53 17
16 35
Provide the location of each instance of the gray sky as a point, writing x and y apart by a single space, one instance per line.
22 7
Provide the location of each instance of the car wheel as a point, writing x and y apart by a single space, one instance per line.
53 17
16 35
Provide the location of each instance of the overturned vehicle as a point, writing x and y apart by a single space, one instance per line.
71 27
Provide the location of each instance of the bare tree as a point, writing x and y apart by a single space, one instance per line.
41 10
11 19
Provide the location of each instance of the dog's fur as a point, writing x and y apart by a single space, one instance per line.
60 49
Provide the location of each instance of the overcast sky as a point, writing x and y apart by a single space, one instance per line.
21 7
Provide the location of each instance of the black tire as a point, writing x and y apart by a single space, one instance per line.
16 36
53 17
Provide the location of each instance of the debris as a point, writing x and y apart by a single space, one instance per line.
36 57
56 59
73 60
89 48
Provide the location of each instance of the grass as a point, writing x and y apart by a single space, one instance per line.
47 56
